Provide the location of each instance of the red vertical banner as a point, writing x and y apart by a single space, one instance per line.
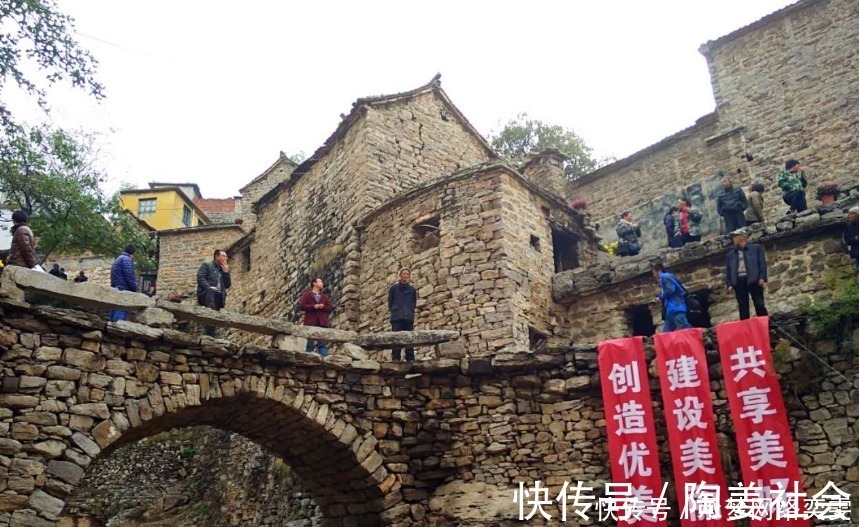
629 424
764 442
698 475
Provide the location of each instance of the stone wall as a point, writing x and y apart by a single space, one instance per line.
784 89
96 268
261 185
181 251
304 227
469 240
801 254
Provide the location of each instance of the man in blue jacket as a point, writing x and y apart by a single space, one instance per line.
122 277
673 298
746 274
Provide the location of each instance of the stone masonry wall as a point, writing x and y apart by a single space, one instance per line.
96 268
258 187
181 252
792 81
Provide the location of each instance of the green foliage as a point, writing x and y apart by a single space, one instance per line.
522 136
51 175
327 256
188 452
836 315
36 37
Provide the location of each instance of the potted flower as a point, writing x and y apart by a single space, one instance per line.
580 205
828 192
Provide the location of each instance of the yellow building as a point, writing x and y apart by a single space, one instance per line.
166 205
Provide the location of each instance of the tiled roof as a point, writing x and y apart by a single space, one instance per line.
216 205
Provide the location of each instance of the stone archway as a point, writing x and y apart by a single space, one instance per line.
338 466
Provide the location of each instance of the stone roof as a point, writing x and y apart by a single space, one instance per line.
201 228
546 152
282 158
781 13
217 205
359 108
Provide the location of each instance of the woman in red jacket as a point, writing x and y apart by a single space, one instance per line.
316 307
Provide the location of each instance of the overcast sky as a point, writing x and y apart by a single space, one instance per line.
199 91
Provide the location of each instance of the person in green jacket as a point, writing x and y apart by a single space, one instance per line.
792 182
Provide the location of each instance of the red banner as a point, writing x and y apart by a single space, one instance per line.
698 475
764 442
629 424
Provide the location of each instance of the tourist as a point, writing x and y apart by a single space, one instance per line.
122 277
851 235
81 278
316 307
402 300
746 273
22 252
673 298
755 212
213 280
792 182
628 235
55 271
688 219
674 239
731 205
63 274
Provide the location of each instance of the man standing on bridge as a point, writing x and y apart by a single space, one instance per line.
122 277
316 307
402 300
213 280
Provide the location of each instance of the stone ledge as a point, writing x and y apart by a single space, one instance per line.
570 285
399 339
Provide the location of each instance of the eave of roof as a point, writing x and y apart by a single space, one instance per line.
359 108
708 46
201 228
196 186
178 190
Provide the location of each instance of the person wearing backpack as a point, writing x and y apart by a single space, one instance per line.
673 298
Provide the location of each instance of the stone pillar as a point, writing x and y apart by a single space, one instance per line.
546 170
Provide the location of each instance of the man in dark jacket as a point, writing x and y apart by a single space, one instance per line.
851 235
402 300
316 307
628 234
122 277
55 271
673 298
213 280
746 274
731 205
22 252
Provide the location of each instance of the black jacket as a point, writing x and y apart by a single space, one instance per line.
207 276
732 201
756 264
851 239
402 302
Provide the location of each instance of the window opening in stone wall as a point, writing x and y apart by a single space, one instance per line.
535 243
641 321
427 234
700 318
537 340
565 249
146 207
246 259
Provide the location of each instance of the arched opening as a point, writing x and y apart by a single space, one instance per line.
337 465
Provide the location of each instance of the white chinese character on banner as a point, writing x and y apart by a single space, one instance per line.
831 503
755 404
616 503
647 507
625 377
782 503
689 413
702 502
581 499
766 449
747 502
630 418
541 497
695 455
632 460
747 360
683 373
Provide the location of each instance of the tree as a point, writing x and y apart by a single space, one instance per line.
51 175
35 36
522 136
